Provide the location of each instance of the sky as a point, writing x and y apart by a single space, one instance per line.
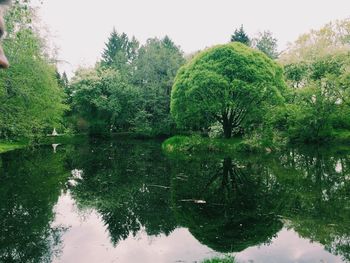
80 28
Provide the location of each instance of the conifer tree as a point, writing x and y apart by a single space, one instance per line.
240 36
119 51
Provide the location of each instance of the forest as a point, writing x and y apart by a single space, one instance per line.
244 88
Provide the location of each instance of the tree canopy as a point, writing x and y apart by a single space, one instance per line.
30 97
317 72
129 91
225 84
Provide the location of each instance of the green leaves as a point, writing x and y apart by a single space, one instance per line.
130 89
31 102
319 98
103 96
225 83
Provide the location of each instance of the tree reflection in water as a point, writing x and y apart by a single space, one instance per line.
30 184
228 203
127 183
239 209
247 198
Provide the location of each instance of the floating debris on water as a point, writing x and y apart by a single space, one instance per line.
194 201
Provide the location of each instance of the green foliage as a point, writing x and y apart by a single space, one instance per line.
62 80
231 84
30 97
319 102
183 145
129 94
120 51
156 66
104 99
240 36
317 70
9 146
296 74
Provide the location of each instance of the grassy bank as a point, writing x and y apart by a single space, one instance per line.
341 136
6 146
197 144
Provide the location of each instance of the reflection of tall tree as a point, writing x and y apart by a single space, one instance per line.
127 183
30 184
238 207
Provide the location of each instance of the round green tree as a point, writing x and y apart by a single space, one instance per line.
226 84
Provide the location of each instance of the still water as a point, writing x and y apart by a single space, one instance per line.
125 201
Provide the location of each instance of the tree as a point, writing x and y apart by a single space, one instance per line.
331 39
317 70
132 96
103 99
320 101
267 44
120 51
225 84
31 101
240 36
155 69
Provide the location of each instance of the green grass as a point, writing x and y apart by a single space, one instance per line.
341 136
6 146
226 259
197 144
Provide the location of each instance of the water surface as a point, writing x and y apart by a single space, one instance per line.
125 201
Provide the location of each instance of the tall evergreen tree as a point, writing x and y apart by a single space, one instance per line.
240 36
119 51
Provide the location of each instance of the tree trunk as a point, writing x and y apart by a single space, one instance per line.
227 126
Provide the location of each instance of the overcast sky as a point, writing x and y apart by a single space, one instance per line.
79 28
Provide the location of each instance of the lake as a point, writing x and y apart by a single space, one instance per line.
126 201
